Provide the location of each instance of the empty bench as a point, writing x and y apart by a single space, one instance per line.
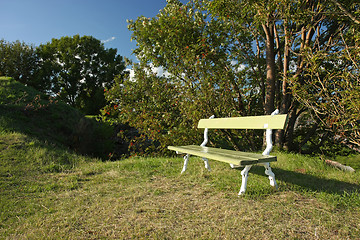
237 158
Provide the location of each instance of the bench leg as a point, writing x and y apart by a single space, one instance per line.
207 165
270 174
244 174
234 166
186 160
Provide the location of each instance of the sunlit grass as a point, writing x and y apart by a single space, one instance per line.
50 193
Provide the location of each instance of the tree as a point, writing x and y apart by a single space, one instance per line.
19 61
332 82
78 69
288 30
203 78
151 104
237 57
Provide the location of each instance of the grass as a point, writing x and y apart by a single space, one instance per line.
50 192
351 160
27 111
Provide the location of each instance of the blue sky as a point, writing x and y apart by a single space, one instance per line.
38 21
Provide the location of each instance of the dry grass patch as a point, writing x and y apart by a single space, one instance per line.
106 206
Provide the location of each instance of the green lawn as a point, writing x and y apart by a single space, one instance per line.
49 193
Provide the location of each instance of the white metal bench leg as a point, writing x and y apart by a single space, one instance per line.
186 160
244 174
234 166
203 144
270 174
207 165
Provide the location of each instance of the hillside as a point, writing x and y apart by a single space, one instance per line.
25 110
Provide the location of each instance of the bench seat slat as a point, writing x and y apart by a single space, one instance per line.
224 155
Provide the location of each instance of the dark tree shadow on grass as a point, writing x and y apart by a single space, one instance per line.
308 182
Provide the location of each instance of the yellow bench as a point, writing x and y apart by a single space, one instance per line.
237 158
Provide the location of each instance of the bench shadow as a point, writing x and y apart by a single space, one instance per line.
308 181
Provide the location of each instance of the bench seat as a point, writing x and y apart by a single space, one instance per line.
223 155
237 158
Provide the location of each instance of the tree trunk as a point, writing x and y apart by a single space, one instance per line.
286 95
270 68
288 103
270 71
289 141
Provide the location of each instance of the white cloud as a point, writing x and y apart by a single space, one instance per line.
159 71
131 75
108 40
240 67
293 66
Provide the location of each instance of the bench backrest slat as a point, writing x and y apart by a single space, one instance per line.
251 122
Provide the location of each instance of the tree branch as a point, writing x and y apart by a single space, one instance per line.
347 13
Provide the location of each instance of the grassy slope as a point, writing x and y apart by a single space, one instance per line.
20 111
25 110
48 192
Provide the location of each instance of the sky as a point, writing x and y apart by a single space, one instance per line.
38 21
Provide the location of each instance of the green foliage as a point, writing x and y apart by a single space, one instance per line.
224 61
152 107
94 137
332 83
77 69
20 61
203 77
215 55
310 42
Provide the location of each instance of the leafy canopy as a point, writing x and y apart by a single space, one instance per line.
78 69
20 61
204 77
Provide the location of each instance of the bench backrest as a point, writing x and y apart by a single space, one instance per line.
251 122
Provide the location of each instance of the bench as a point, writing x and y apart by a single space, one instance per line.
237 158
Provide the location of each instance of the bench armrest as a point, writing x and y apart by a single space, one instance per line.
206 139
269 143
